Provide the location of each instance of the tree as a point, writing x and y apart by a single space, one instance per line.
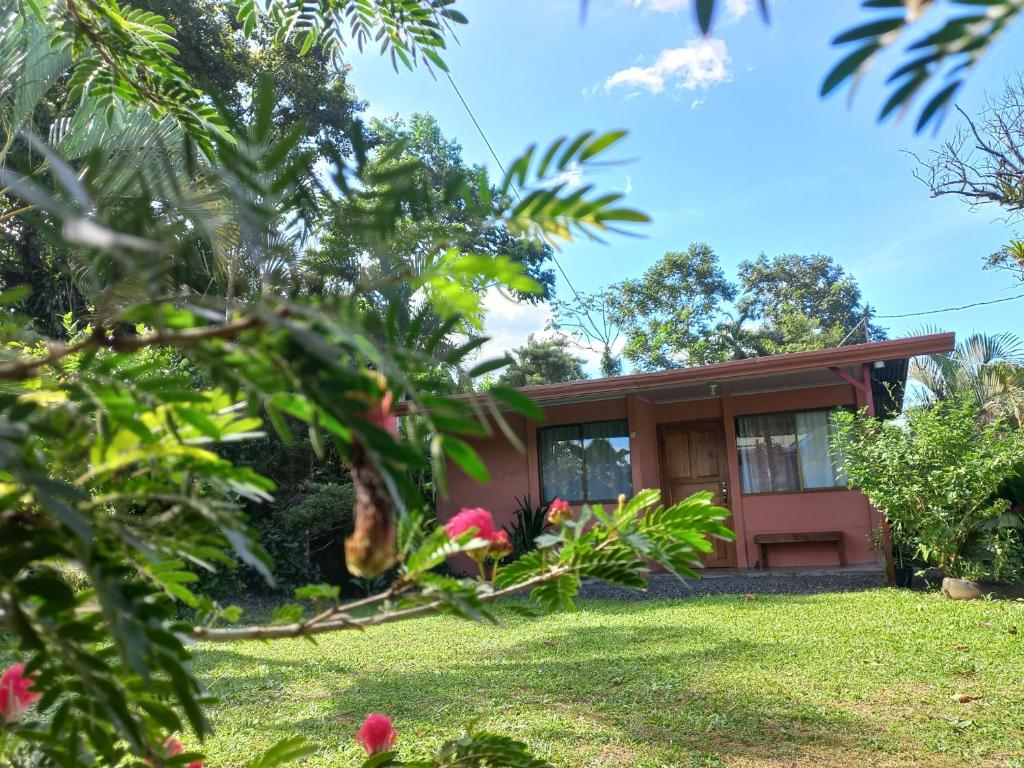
314 98
110 438
678 313
1009 258
983 162
667 314
542 361
986 370
936 478
441 216
591 322
222 60
801 302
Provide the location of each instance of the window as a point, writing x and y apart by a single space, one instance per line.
585 462
787 452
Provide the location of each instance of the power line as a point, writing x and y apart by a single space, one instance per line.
952 309
494 154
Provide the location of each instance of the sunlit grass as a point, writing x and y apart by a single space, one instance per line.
861 679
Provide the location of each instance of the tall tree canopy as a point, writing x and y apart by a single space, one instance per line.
685 311
442 216
667 314
542 361
312 97
801 302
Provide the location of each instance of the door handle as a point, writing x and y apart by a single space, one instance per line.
725 492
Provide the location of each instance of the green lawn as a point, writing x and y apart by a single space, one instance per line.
862 679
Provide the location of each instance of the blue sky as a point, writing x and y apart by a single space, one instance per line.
730 143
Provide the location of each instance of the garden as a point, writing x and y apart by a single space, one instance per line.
243 334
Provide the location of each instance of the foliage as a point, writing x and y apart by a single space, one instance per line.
802 302
542 361
1009 258
987 370
187 225
530 522
667 313
945 52
676 313
305 535
935 479
448 214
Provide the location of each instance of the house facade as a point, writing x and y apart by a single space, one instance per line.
756 433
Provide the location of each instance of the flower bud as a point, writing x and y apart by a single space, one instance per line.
371 548
500 545
559 512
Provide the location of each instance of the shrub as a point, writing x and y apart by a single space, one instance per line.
304 534
530 522
935 477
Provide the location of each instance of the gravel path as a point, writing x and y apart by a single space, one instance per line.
755 582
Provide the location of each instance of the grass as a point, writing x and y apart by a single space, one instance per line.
863 679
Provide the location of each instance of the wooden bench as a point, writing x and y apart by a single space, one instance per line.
762 540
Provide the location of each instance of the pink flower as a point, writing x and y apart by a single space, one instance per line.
559 511
175 747
377 734
379 413
477 518
16 695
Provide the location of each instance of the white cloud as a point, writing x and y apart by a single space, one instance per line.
734 9
737 9
508 323
698 65
572 176
662 6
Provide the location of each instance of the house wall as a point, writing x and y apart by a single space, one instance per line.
510 475
515 473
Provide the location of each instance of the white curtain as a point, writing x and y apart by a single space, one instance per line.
814 431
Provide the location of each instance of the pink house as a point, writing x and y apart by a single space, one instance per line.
754 432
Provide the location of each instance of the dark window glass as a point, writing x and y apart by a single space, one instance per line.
585 462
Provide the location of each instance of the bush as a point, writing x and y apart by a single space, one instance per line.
936 478
304 534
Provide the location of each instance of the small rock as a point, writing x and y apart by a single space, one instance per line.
961 589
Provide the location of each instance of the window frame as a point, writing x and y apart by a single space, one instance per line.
799 466
579 425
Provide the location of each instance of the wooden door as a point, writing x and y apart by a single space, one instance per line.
693 459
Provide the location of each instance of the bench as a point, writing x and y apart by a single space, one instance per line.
762 540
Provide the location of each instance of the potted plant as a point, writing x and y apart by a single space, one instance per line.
902 554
